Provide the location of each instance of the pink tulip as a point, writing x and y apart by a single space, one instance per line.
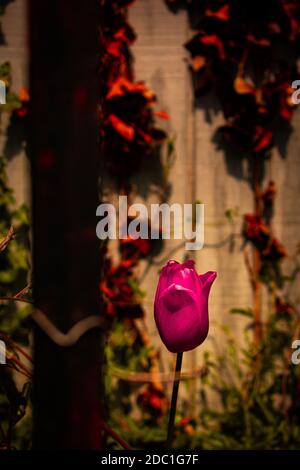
181 305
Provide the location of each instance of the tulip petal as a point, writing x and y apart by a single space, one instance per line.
176 295
207 280
181 305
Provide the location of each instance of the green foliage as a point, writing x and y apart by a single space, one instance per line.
14 267
255 403
14 260
247 312
127 356
248 396
14 271
14 412
12 100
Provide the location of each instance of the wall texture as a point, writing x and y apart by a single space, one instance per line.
220 181
201 171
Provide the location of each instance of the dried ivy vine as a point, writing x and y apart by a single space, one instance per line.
129 136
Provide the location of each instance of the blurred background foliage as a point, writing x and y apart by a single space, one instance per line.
14 279
248 395
248 391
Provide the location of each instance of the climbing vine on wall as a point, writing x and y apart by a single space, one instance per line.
129 135
249 61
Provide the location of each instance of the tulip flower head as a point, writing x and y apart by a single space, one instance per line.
181 305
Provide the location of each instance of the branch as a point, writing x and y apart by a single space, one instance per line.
8 237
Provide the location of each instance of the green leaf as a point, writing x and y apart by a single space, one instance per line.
246 312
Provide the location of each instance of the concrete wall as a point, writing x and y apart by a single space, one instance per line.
219 182
200 172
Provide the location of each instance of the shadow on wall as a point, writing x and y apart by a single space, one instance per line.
245 72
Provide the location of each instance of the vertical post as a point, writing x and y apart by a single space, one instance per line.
65 155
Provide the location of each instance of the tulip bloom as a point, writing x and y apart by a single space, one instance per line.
181 305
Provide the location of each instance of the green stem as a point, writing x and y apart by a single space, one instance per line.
174 400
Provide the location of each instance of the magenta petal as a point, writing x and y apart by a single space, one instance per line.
207 280
181 305
176 295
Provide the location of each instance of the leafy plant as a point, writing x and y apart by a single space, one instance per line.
14 326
